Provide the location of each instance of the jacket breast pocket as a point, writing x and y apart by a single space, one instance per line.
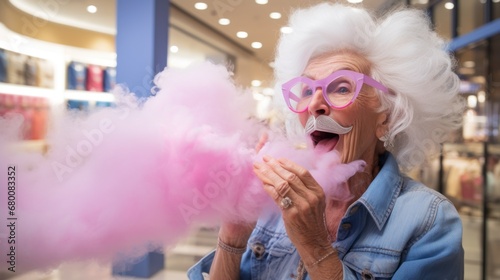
372 263
281 247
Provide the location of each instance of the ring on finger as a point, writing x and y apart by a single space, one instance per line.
286 202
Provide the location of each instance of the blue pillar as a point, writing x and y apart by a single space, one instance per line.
141 48
141 43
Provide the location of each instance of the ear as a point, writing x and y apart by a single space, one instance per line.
382 124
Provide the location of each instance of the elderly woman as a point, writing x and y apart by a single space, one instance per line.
386 93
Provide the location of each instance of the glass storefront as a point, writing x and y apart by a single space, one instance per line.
496 9
470 15
442 19
470 166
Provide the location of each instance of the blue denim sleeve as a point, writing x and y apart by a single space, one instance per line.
195 272
438 252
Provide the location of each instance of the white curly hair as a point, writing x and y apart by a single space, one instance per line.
406 55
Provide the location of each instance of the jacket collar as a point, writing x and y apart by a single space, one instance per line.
381 195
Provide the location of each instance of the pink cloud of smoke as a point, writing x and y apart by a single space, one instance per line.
121 179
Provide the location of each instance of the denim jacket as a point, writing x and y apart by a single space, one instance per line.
398 229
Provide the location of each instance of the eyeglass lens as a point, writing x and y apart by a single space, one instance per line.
340 92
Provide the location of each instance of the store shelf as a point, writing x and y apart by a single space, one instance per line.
55 94
88 96
26 90
59 56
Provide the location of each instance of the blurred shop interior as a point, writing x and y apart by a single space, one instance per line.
61 55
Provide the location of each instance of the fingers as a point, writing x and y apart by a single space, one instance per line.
302 173
284 178
287 179
299 178
262 141
274 185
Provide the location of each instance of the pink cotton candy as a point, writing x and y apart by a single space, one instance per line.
121 180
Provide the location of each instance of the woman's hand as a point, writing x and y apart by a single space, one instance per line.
304 218
226 263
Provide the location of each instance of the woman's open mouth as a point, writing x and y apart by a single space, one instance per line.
324 141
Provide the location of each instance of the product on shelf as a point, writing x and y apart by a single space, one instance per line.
102 104
76 75
77 105
15 69
30 71
45 76
94 78
40 118
25 107
109 78
34 110
3 66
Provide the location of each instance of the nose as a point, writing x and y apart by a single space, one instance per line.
318 105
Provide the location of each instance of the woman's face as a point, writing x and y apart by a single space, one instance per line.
367 125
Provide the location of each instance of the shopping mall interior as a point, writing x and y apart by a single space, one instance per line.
63 56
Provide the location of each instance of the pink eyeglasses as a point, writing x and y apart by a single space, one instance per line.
340 89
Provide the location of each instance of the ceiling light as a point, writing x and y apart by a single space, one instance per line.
472 101
286 29
174 49
91 9
256 45
261 2
423 2
469 63
200 6
481 96
275 15
224 21
496 1
354 1
256 83
241 34
449 5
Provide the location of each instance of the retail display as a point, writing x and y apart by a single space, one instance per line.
20 69
463 180
90 77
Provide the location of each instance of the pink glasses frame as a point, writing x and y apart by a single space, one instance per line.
359 78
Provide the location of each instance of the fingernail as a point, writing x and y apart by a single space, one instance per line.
256 165
266 158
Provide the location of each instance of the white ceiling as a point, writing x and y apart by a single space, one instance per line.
245 15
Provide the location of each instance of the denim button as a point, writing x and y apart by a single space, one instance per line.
346 226
367 275
258 250
354 209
